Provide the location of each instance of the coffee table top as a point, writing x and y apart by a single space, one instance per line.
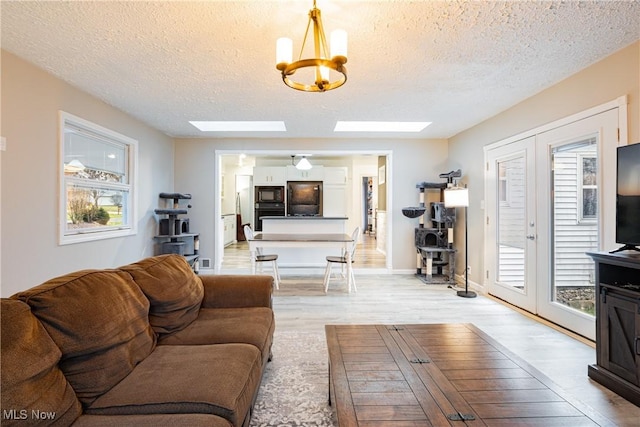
440 374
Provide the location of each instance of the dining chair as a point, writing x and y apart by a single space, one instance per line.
261 258
343 260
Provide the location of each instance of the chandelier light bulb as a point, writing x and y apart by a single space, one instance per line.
284 52
324 74
339 46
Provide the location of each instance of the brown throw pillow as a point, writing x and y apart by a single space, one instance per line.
99 320
174 291
34 390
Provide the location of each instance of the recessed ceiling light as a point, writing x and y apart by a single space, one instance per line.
239 126
343 126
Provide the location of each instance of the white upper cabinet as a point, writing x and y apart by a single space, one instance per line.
316 173
335 175
269 175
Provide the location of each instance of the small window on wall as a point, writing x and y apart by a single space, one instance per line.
503 184
97 191
588 195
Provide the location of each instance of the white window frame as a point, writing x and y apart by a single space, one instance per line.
581 187
505 183
92 234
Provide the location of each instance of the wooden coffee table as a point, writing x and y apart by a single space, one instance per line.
440 375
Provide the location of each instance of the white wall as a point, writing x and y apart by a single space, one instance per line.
604 81
413 161
31 99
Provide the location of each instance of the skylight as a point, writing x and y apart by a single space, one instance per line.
239 126
344 126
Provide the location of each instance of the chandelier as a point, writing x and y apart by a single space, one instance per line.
321 64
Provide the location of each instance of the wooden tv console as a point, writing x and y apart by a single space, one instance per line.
618 323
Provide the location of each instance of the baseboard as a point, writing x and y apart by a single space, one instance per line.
474 286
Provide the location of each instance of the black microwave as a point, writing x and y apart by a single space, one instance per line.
269 194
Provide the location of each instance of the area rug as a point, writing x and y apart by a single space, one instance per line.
295 384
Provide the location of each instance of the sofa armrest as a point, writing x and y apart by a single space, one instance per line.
234 291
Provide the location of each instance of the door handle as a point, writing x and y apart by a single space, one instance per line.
531 236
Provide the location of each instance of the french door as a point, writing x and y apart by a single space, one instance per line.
512 225
548 203
576 166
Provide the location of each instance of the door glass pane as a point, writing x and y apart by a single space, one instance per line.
511 222
575 223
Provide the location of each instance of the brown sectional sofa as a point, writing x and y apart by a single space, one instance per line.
147 344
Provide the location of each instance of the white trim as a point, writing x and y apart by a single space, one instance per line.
132 165
620 102
581 187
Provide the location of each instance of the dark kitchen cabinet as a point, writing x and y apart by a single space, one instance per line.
618 324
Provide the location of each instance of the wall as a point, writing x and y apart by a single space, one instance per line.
31 99
604 81
413 161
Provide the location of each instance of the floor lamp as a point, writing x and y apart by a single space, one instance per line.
457 197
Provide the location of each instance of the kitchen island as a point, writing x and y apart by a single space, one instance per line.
309 255
304 224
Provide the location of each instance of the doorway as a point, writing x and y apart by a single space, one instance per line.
369 205
234 257
244 203
550 198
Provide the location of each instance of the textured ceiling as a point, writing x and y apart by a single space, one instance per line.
453 63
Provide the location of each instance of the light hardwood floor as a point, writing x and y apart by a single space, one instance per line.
302 305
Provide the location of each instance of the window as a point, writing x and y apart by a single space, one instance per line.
97 191
508 182
588 195
502 184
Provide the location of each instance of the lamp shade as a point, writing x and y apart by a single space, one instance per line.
339 44
284 51
304 164
456 197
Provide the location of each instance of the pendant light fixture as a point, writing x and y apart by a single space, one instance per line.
322 63
303 164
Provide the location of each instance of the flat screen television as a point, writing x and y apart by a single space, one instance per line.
628 197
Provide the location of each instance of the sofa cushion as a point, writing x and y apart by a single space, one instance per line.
31 379
153 420
99 320
219 379
173 289
251 325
